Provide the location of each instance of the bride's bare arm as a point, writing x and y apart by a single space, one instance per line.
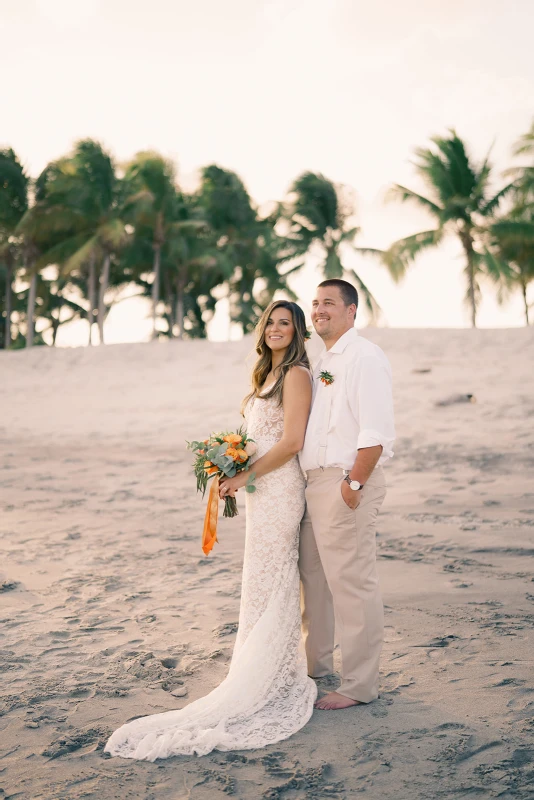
296 400
297 394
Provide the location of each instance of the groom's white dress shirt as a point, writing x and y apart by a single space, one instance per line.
353 412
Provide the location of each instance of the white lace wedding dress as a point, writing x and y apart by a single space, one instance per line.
267 694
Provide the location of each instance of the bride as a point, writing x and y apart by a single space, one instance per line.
267 694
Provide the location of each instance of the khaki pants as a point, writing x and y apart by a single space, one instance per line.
339 581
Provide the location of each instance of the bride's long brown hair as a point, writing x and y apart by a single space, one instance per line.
296 354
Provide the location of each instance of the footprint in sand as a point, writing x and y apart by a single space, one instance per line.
91 739
8 586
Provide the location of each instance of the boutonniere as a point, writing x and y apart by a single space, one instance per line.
326 377
307 335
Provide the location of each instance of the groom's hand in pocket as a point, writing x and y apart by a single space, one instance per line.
351 498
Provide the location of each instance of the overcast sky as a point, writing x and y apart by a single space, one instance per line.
270 89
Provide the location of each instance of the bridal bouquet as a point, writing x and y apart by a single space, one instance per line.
221 455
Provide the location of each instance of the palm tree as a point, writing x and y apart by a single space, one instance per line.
524 175
14 184
154 203
513 235
249 253
193 269
43 233
512 248
79 200
55 296
461 203
187 269
320 213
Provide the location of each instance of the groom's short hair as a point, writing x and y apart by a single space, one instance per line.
348 292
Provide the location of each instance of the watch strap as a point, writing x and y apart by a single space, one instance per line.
349 481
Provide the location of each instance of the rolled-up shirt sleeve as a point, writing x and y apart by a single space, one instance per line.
371 401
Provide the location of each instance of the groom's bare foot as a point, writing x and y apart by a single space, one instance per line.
334 700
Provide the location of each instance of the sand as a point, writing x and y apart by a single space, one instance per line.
109 610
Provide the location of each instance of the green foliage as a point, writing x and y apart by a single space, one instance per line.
106 228
14 184
247 251
510 253
14 188
462 203
226 202
524 174
319 213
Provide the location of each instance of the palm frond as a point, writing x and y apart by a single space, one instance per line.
332 266
188 225
316 201
350 234
112 234
370 303
451 170
294 268
496 268
525 145
62 251
402 193
492 205
14 184
402 253
369 251
81 257
514 230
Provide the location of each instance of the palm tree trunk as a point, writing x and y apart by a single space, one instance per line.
180 307
472 300
169 305
469 250
32 294
91 293
525 301
155 288
56 321
7 335
55 328
104 280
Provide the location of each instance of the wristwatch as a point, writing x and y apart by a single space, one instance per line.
354 485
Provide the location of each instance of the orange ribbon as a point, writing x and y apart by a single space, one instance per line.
209 534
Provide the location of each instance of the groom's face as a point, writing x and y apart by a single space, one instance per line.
330 316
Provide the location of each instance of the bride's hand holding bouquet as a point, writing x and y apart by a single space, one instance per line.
229 486
223 458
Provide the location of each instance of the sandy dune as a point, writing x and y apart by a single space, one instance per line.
109 609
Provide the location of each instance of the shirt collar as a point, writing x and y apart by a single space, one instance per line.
343 341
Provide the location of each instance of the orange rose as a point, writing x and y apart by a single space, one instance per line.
233 453
232 438
241 456
210 468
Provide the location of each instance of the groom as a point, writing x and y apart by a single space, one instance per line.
349 436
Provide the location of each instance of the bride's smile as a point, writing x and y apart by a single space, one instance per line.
279 331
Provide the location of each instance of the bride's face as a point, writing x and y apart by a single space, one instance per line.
280 329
